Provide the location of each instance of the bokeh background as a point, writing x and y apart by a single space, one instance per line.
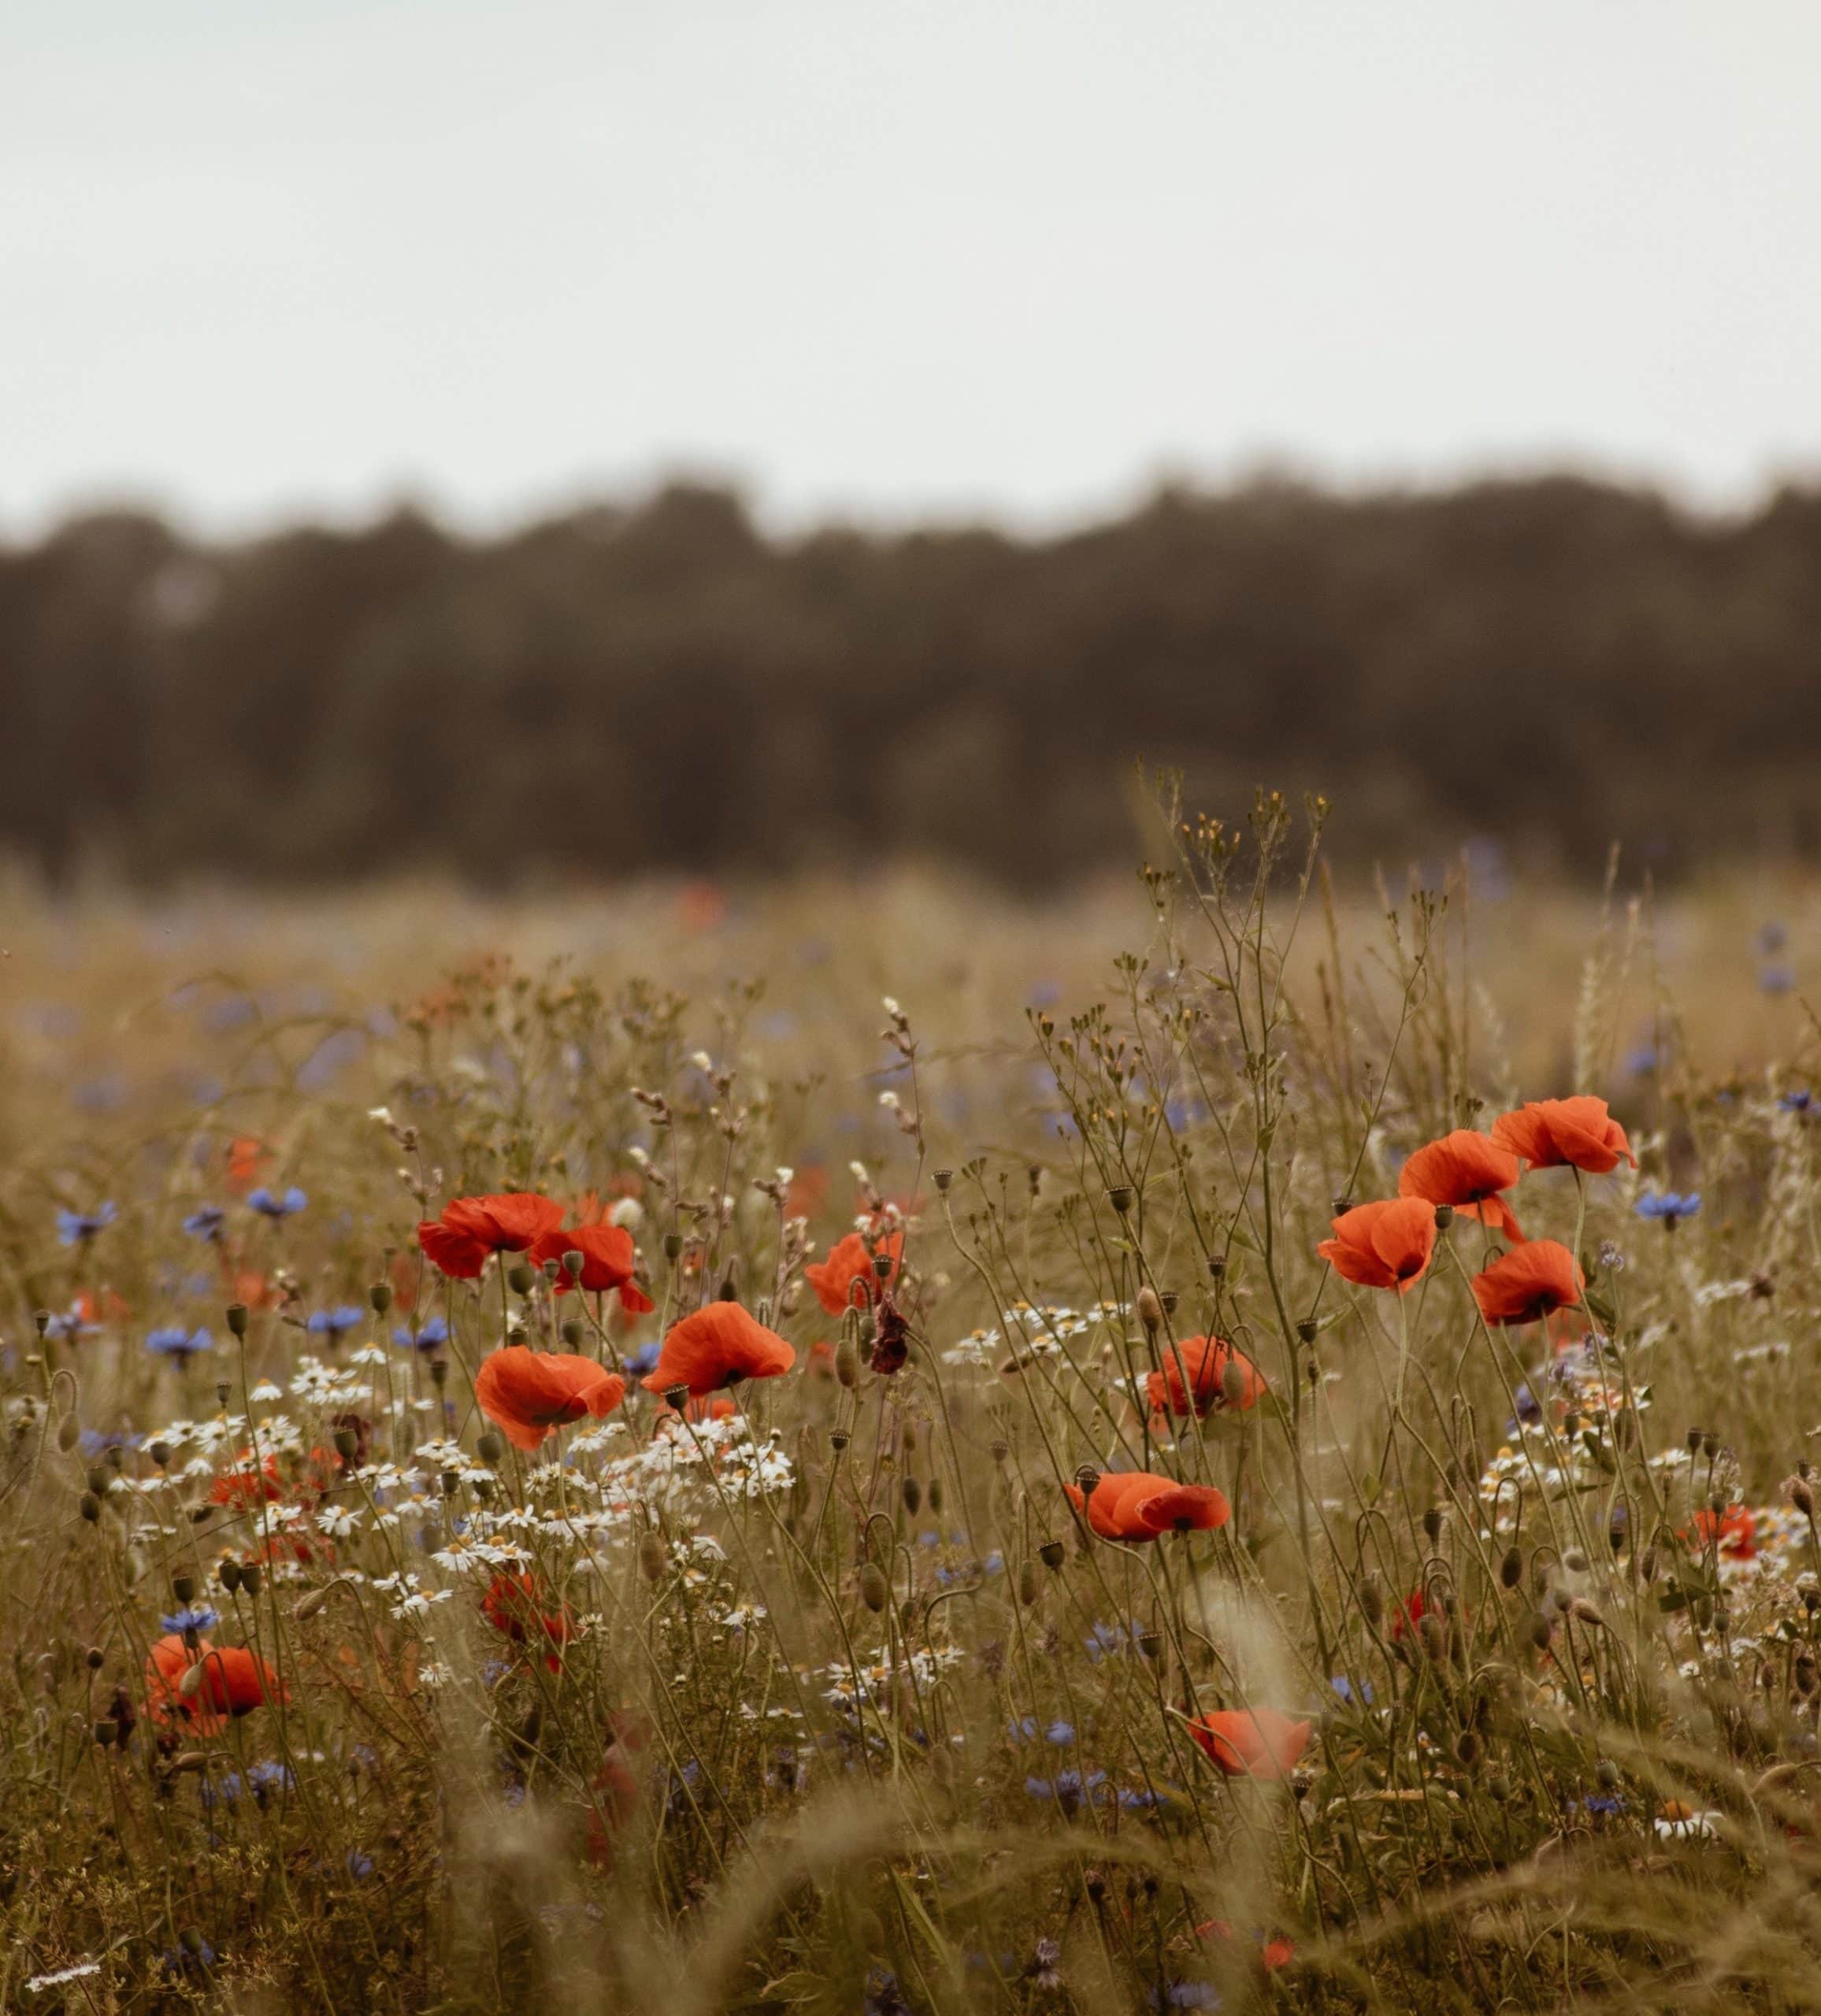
527 449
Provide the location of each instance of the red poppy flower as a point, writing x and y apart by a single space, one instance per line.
820 1364
849 1262
1466 1170
166 1663
245 1153
609 1260
236 1681
1189 1508
459 1242
1531 1281
1119 1507
717 1347
250 1482
1382 1245
526 1393
1251 1743
1195 1375
1734 1531
1273 1953
1561 1133
513 1605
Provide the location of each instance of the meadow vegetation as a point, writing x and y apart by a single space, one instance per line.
860 1448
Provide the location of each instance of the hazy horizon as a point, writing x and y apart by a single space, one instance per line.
1015 263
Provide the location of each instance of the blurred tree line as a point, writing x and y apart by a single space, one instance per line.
1554 663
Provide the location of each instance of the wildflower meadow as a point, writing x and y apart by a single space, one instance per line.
1221 1476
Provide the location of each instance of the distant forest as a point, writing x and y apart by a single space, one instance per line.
1553 664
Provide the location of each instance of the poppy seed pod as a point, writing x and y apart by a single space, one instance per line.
1432 1520
943 1178
519 1278
1086 1480
98 1480
673 1245
491 1446
251 1576
574 1260
1216 1266
160 1452
1120 1197
874 1589
228 1574
380 1297
1050 1554
106 1732
1308 1329
1444 1216
237 1318
183 1587
838 1440
94 1658
572 1332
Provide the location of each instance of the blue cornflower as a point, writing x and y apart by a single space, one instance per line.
1061 1733
172 1340
1103 1641
1668 1205
1351 1693
360 1867
78 1227
1772 937
193 1951
69 1322
1641 1061
268 1775
1135 1799
195 1617
1777 978
432 1336
1797 1102
95 1442
275 1204
224 1791
1189 1994
1023 1729
206 1221
883 1997
335 1323
1603 1802
644 1359
1067 1788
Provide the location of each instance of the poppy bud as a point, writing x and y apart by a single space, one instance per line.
653 1558
1469 1750
160 1452
912 1492
380 1297
1802 1497
1539 1632
1444 1216
935 1494
1027 1583
847 1362
190 1760
1646 1564
572 1331
907 1435
491 1447
250 1578
519 1278
237 1318
873 1590
1512 1568
1120 1197
1150 1310
1050 1554
228 1574
68 1433
1234 1384
1606 1771
1433 1633
1372 1594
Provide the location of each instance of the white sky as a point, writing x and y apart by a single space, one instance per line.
259 256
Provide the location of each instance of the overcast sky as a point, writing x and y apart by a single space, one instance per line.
264 257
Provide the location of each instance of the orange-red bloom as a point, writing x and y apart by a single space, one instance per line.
513 1605
232 1681
1530 1282
1204 1361
1251 1743
250 1482
609 1260
717 1347
470 1228
1558 1133
850 1261
1734 1532
1466 1170
1382 1245
526 1393
1273 1953
1121 1506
